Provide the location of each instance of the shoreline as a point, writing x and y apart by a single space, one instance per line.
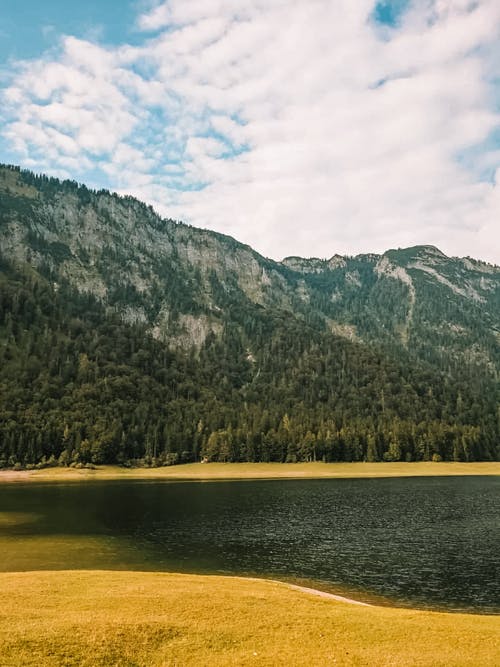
377 602
368 599
254 471
329 596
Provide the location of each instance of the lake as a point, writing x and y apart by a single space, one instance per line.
428 542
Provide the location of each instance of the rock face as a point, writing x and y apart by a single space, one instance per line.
313 264
182 281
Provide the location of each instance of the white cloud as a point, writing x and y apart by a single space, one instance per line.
157 18
300 127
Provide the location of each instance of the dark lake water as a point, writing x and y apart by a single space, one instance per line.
429 542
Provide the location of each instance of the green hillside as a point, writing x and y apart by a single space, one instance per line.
126 337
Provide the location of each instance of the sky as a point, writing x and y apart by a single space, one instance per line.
300 127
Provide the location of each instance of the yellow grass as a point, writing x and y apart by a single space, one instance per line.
214 471
151 619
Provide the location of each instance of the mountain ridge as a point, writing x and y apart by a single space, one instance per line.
196 293
26 190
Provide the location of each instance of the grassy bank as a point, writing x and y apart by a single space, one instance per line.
214 471
133 618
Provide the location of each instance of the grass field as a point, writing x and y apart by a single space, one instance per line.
151 619
214 471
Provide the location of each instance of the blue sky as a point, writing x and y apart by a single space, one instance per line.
390 12
302 127
29 27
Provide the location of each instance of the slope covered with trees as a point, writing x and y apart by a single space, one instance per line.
127 338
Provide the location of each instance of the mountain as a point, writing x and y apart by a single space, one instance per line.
128 337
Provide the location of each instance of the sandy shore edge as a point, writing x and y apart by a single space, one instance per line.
15 475
324 594
304 589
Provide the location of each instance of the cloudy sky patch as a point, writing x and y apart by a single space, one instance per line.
304 127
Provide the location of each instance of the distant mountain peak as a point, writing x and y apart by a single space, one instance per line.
425 253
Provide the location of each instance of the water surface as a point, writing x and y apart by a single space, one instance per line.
430 542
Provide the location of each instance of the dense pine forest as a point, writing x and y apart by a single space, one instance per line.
128 339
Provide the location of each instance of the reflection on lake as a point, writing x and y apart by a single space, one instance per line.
422 541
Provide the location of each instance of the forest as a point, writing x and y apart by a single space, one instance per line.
79 386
